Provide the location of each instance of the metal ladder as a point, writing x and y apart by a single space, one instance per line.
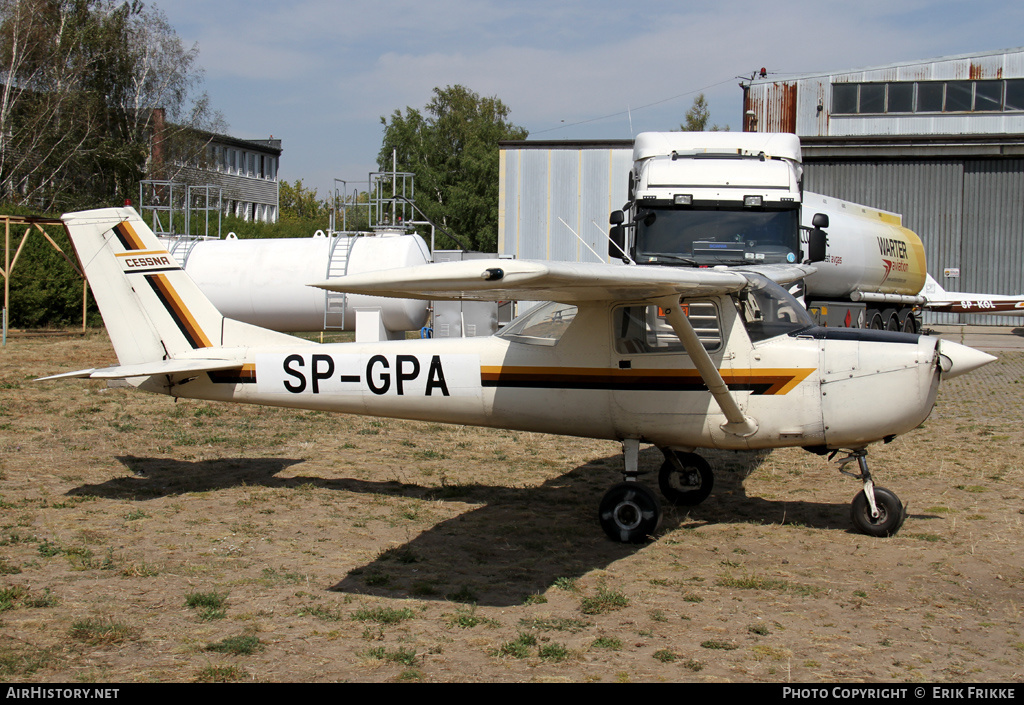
335 302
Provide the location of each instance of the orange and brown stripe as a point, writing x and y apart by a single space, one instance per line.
186 323
127 236
770 381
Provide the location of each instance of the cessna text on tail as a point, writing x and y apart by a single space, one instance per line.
680 358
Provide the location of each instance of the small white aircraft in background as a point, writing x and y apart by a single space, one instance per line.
679 358
942 301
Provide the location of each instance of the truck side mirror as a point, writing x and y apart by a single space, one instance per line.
617 241
817 240
616 218
820 220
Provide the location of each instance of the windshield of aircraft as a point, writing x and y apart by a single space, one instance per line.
543 325
768 310
710 236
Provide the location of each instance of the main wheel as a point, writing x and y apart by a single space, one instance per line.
890 513
629 513
689 485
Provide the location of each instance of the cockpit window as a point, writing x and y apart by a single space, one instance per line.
543 325
767 310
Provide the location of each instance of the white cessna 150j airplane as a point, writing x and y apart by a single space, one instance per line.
679 358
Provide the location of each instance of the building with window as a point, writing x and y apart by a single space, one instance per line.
940 141
244 171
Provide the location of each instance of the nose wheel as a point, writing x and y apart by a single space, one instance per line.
875 511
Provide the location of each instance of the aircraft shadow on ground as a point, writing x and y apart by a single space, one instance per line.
518 542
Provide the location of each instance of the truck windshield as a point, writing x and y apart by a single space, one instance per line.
711 236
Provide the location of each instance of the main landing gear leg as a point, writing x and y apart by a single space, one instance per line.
875 511
629 512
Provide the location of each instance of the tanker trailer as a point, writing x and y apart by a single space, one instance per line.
266 281
873 271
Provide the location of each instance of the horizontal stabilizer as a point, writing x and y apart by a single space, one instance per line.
566 282
148 369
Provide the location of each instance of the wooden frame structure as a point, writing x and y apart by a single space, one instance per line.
37 223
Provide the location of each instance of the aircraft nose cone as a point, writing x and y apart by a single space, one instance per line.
956 359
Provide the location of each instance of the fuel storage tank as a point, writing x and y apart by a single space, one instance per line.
265 282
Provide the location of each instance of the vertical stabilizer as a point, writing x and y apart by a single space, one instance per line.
152 309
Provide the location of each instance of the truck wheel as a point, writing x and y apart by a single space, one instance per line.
910 324
891 318
874 319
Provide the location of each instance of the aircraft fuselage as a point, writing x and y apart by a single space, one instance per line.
821 387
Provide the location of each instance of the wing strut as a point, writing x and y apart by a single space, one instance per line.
737 424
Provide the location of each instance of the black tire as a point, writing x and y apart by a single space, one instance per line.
689 486
891 513
891 319
910 324
874 319
629 513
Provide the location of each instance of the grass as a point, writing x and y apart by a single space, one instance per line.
242 645
718 645
497 535
604 601
467 618
611 643
404 656
561 624
102 631
754 582
521 647
383 615
221 674
210 605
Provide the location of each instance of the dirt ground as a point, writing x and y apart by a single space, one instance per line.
148 540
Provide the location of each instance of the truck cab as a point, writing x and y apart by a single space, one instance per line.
711 199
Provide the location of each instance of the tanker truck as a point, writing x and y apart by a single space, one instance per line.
709 199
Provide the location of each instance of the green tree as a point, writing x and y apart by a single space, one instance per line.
296 202
697 117
452 148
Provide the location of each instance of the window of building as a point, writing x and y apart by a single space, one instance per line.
928 97
900 98
1014 95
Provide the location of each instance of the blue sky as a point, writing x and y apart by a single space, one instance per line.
319 74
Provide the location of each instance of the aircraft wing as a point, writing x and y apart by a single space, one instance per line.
780 273
147 369
508 279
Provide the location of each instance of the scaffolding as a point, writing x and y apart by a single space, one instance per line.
181 211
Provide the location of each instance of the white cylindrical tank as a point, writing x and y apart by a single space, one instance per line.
266 282
869 252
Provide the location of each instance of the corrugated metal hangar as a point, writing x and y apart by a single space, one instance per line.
940 141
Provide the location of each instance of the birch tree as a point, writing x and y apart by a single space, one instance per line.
80 80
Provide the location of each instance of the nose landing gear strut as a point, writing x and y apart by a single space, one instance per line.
875 511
